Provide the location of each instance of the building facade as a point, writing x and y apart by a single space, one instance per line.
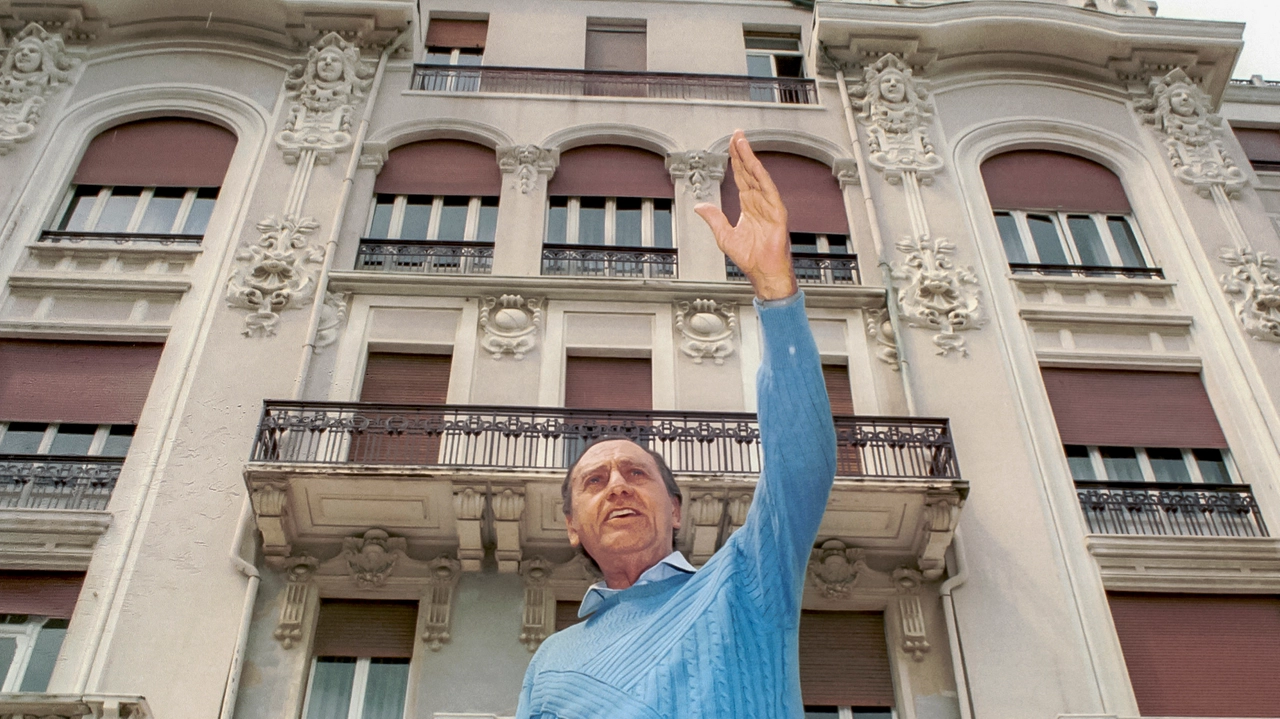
307 306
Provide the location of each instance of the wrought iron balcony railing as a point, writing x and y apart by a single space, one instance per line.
120 238
1168 508
57 482
550 438
1023 268
428 257
603 83
609 261
812 268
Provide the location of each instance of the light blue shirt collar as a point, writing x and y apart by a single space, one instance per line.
670 566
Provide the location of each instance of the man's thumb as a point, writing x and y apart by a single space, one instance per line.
714 218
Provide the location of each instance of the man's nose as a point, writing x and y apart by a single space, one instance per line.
618 483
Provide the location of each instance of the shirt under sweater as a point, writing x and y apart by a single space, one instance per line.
720 642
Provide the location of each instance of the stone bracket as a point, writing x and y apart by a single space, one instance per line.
481 513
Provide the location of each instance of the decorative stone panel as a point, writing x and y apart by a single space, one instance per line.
35 66
706 328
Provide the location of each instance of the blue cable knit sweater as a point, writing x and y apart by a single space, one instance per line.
721 642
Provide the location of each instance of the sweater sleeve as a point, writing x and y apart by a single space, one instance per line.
799 444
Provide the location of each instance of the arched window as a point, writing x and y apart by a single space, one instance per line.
435 210
151 179
816 218
1059 210
610 195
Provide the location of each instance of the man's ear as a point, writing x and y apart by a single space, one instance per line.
675 513
574 540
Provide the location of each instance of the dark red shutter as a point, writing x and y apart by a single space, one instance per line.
1043 180
844 659
1262 147
362 628
46 594
468 34
1132 409
441 167
610 171
168 152
848 456
86 382
1201 655
391 378
809 190
616 48
608 383
567 614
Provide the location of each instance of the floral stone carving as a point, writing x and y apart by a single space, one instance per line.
938 294
275 273
370 558
895 110
706 327
510 324
834 568
526 162
35 66
1180 112
703 170
881 329
324 93
1253 282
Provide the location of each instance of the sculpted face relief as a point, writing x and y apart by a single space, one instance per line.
892 88
1182 102
28 57
329 65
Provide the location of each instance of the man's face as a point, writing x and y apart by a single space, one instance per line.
620 505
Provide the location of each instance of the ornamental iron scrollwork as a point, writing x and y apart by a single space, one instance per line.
1225 510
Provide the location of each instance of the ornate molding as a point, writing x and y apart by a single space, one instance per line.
527 162
702 169
707 329
293 610
915 636
324 93
845 170
938 294
333 313
510 324
705 512
1179 112
372 557
834 568
539 604
895 110
437 600
35 66
881 330
941 514
276 272
1253 284
508 508
270 506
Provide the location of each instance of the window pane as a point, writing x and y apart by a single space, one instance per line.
439 55
380 223
1126 242
1081 465
22 438
417 215
470 56
73 439
1121 464
557 220
77 217
591 221
768 42
837 244
487 229
8 648
1213 468
804 242
812 712
119 210
1044 232
662 223
789 65
43 655
117 444
1011 238
1088 241
872 714
330 691
627 230
1168 465
760 65
201 209
162 210
453 218
384 694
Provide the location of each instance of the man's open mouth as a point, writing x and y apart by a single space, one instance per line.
622 514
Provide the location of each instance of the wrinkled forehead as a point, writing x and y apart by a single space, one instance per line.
608 452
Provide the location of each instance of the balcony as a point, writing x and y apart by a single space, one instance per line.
1171 509
425 257
1146 273
599 83
812 268
119 238
57 482
609 261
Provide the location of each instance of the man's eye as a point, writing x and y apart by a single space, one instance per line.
593 479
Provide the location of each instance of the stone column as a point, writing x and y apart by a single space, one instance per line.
697 175
522 208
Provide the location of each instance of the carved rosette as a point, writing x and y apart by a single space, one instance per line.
1253 283
703 170
1179 111
437 601
536 573
324 94
510 325
298 571
895 110
526 163
937 293
276 272
706 329
35 66
834 568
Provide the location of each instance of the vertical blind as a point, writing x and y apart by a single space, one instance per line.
362 628
1201 655
440 167
166 152
1132 409
87 382
610 171
465 34
844 659
1044 180
616 46
608 383
809 190
46 594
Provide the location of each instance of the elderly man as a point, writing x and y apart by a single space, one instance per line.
661 639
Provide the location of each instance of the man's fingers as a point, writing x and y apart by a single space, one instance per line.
754 169
715 219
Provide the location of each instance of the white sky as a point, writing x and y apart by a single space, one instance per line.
1261 34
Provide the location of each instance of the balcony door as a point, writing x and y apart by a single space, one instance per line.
840 394
616 45
387 434
609 384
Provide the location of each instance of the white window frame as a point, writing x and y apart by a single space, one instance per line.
1149 475
359 684
1067 241
773 54
51 430
610 222
824 245
139 209
396 225
26 635
456 53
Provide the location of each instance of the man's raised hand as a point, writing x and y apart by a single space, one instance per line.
759 245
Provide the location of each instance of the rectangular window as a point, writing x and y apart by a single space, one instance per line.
80 440
1261 146
772 55
616 45
456 42
447 218
621 222
1147 464
396 378
29 646
361 666
1061 238
844 665
172 211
